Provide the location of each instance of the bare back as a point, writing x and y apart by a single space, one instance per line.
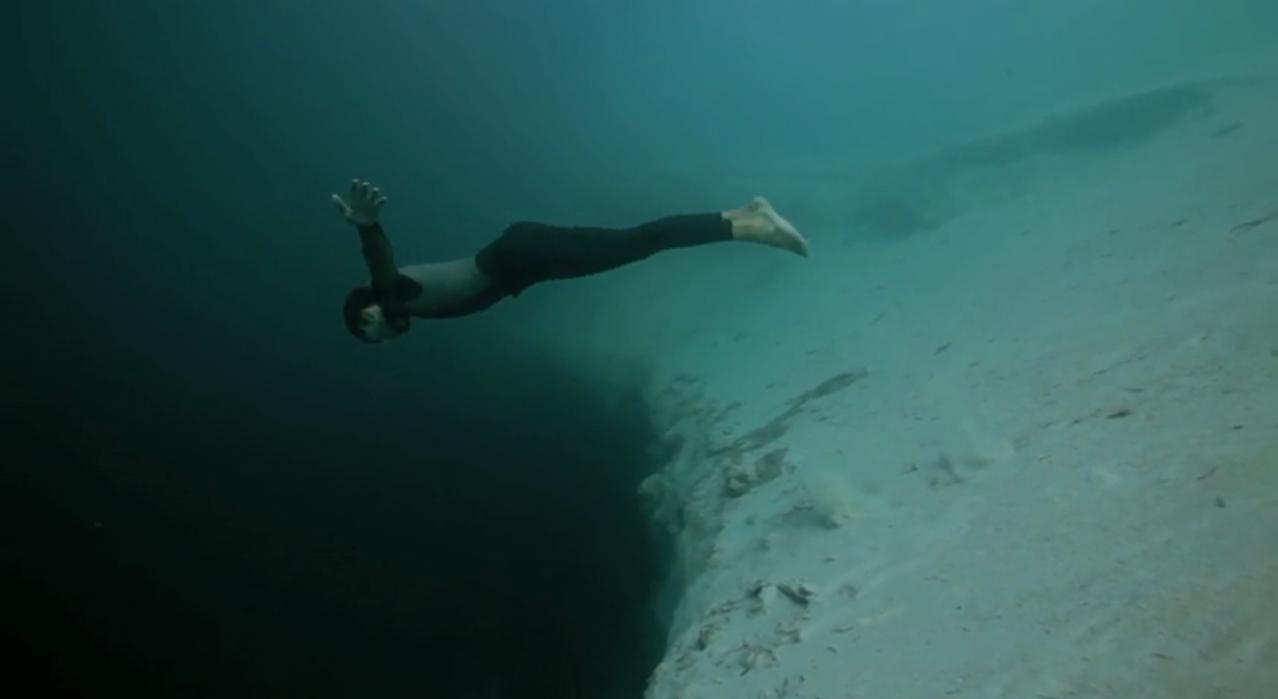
452 288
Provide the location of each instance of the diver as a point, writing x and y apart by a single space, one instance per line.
524 254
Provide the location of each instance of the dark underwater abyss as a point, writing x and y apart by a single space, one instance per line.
197 547
209 490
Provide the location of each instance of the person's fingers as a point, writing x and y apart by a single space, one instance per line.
363 192
341 205
377 206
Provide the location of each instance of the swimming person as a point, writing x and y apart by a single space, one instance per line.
524 254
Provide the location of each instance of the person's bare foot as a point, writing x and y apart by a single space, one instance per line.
758 222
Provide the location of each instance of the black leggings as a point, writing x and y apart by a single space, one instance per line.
527 252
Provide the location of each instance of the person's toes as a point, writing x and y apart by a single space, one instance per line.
796 244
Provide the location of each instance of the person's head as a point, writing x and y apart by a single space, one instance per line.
366 320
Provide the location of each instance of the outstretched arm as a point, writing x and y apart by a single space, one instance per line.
363 210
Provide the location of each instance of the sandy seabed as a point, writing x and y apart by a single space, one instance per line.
1032 452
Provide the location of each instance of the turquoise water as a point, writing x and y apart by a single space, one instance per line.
213 491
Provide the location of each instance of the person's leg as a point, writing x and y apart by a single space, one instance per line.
527 252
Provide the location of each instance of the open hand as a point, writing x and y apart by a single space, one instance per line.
365 205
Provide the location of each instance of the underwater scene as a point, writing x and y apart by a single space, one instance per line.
590 349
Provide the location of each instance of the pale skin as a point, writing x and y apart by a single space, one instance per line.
450 282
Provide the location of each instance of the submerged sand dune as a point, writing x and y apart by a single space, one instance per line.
1030 450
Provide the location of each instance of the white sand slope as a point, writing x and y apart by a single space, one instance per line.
1031 453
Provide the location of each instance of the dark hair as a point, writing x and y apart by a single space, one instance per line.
356 301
